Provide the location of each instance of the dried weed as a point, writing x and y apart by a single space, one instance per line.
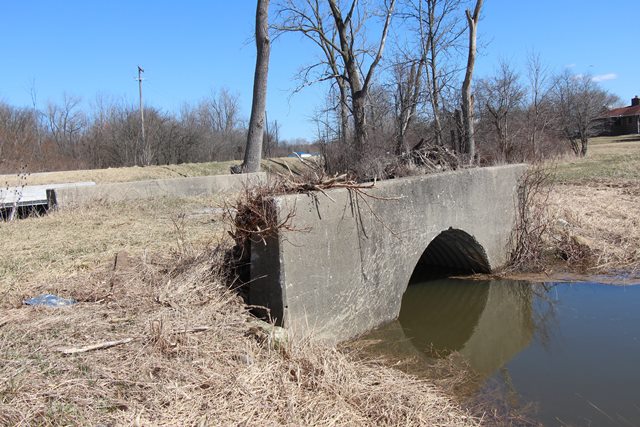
599 223
194 360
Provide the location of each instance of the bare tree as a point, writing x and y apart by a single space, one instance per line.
358 83
579 101
407 79
255 135
502 98
539 116
66 122
218 119
19 132
223 111
439 30
349 60
313 20
467 100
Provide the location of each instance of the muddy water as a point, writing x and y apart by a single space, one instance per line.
570 352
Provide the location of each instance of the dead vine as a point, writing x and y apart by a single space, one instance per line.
532 221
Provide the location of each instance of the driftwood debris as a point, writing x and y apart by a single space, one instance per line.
98 346
109 344
433 157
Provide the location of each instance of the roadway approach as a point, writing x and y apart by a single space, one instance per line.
343 263
22 201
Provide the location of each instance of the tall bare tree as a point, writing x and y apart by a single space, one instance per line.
439 27
66 122
467 99
339 33
502 97
579 101
539 114
359 84
407 79
313 20
253 152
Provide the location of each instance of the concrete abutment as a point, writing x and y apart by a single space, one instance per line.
345 270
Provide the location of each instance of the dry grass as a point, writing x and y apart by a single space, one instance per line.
608 159
600 221
593 214
136 173
65 243
228 374
196 356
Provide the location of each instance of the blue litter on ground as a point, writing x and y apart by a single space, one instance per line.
49 300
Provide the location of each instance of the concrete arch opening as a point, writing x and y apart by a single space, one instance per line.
453 251
346 275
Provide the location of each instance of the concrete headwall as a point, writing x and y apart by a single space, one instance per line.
342 267
177 187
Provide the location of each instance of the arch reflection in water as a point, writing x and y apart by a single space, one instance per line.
488 323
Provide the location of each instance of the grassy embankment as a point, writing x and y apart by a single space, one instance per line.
195 356
136 173
596 200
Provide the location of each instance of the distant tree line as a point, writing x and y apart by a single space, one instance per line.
63 135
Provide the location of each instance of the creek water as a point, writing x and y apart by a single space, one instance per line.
569 352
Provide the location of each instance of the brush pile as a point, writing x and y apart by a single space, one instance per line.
423 158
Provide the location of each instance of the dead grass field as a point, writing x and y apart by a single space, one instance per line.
602 222
195 358
193 354
608 159
595 205
68 242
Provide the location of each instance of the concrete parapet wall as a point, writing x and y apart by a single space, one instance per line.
345 269
175 187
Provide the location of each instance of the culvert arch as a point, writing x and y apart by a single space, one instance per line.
342 264
452 251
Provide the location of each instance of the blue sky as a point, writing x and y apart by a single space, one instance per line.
190 48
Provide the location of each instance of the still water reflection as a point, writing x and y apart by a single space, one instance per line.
572 349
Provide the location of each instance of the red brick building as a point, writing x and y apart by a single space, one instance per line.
623 121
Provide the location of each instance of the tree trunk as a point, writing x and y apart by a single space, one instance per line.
584 144
253 153
435 87
359 123
358 84
344 111
409 93
467 99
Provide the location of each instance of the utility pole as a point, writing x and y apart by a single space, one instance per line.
140 71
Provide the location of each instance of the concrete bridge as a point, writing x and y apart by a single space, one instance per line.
345 261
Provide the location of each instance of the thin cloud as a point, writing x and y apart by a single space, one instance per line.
604 77
570 66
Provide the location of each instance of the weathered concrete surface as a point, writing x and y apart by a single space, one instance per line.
346 268
176 187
